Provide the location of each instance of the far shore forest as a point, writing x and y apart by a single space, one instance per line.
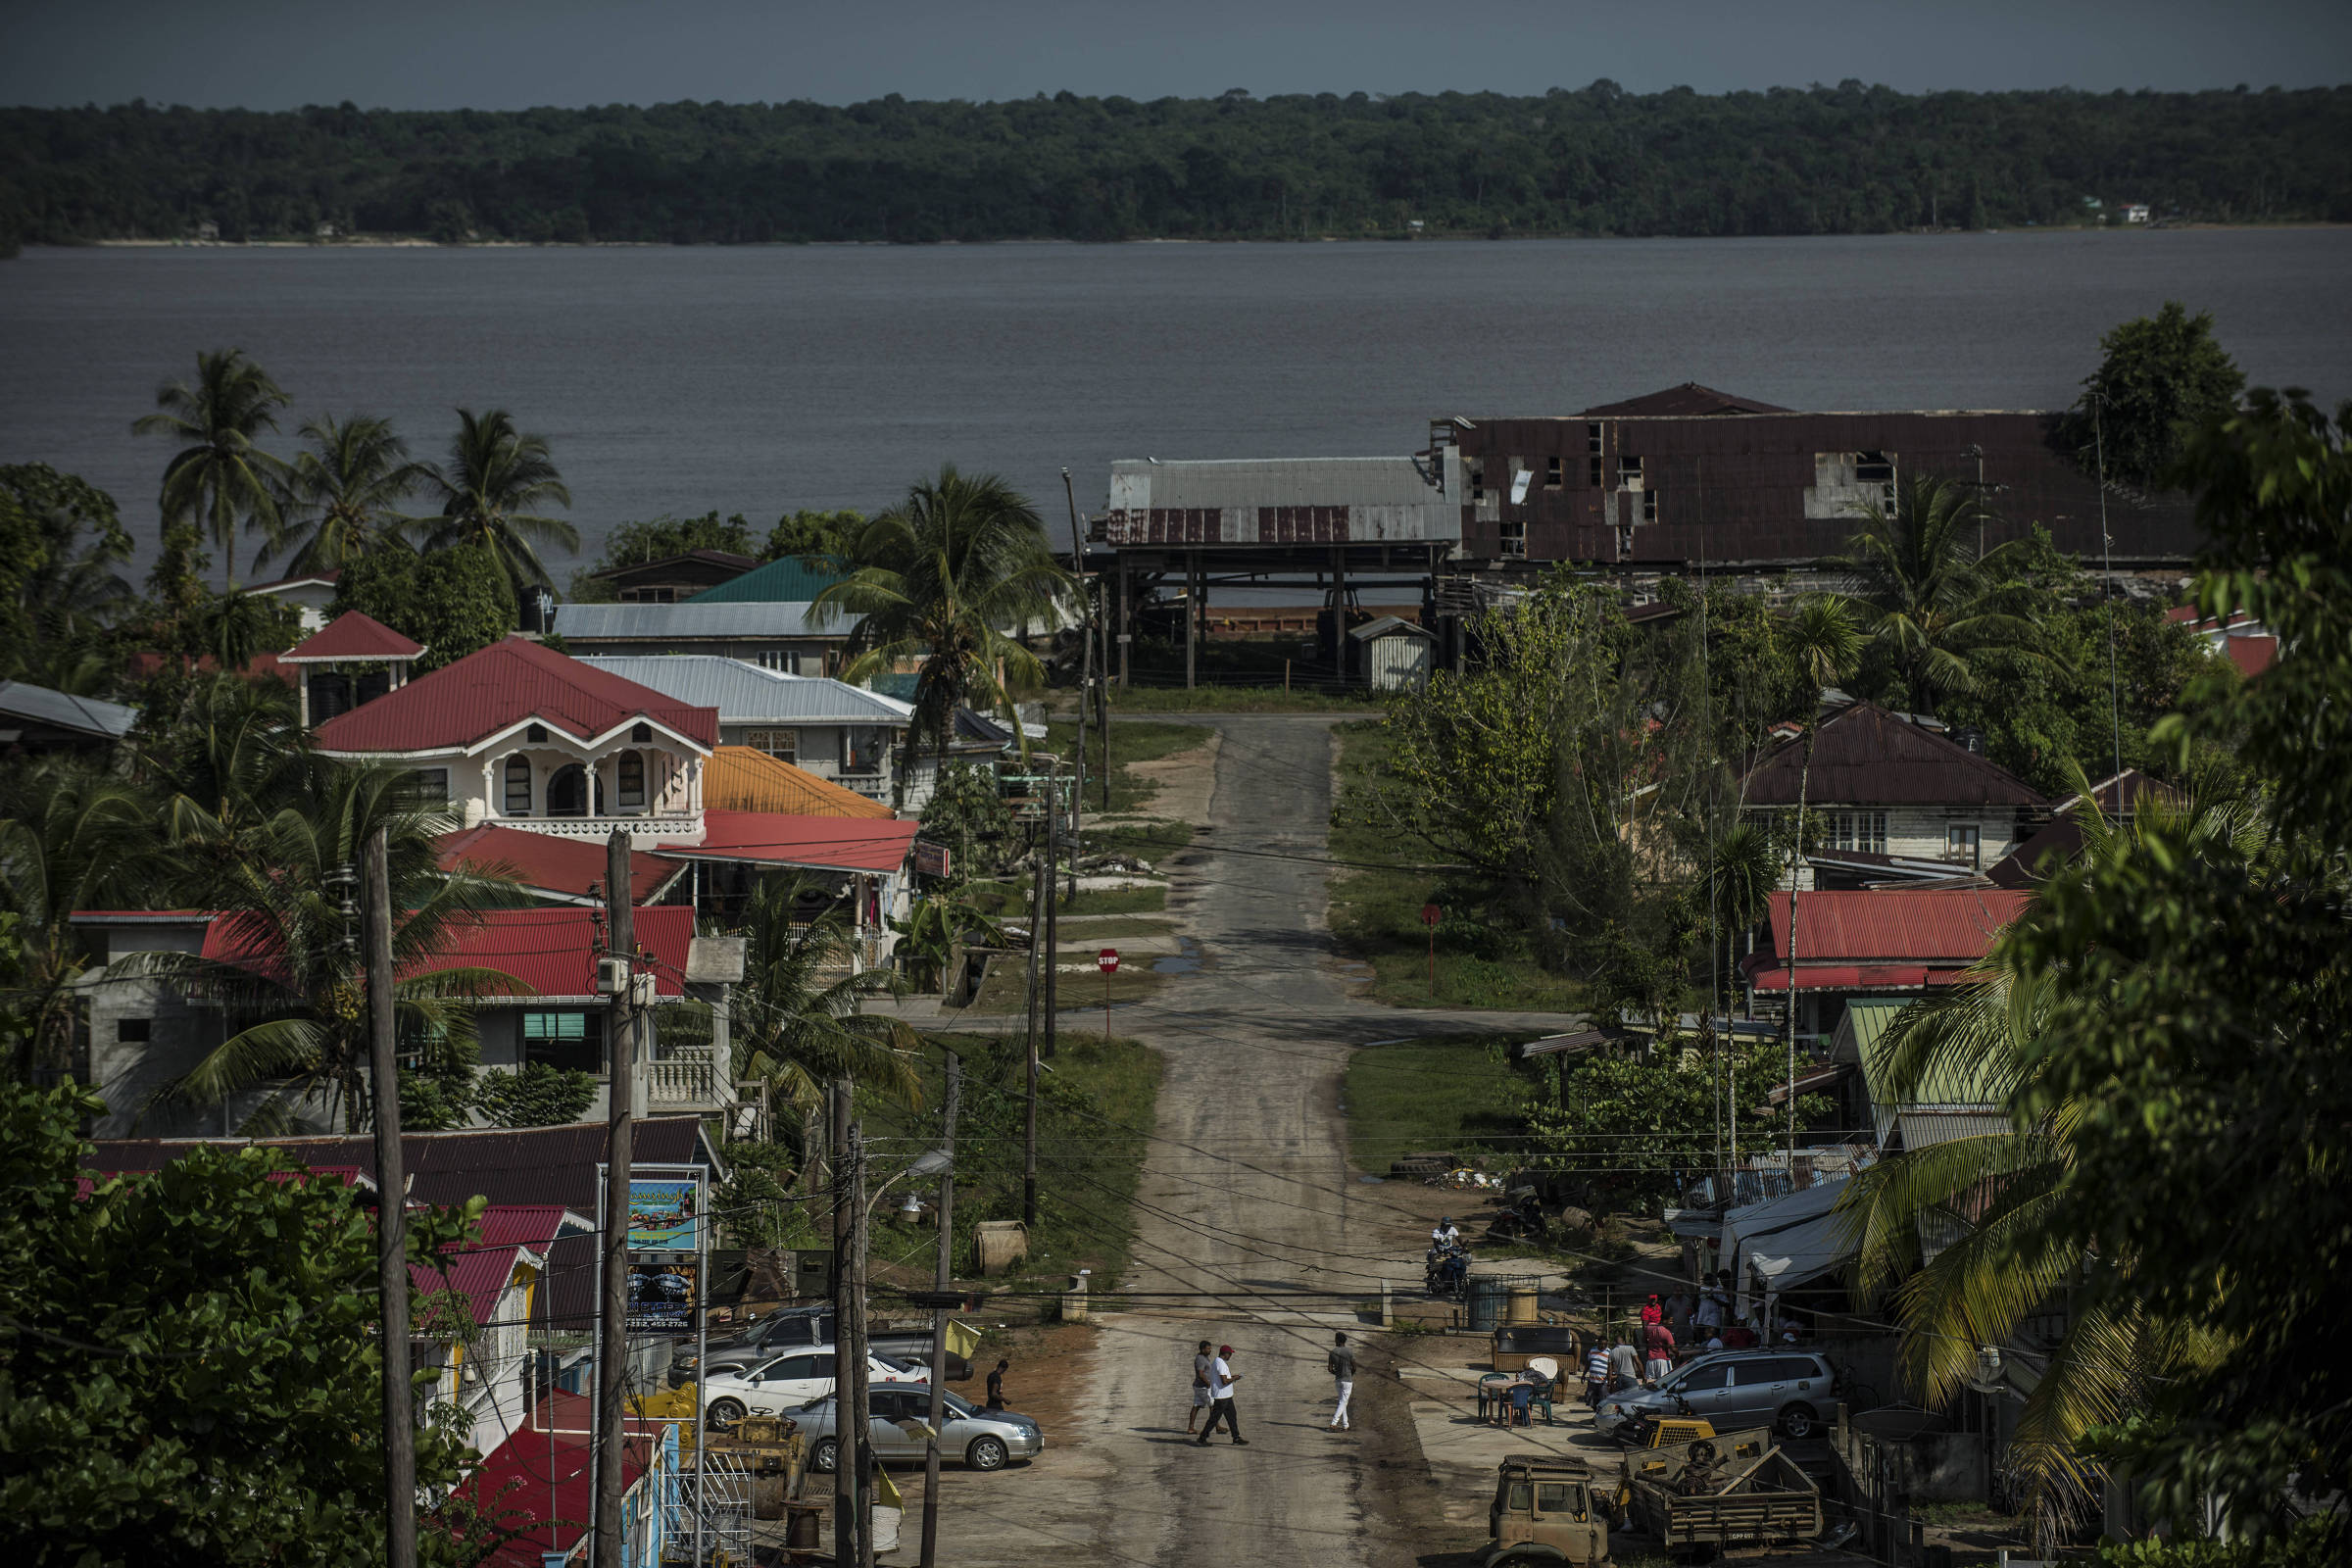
1595 160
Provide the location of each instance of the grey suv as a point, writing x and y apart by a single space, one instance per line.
1788 1389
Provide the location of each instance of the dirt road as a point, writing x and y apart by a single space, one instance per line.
1253 1233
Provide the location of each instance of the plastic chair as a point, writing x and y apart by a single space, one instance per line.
1490 1392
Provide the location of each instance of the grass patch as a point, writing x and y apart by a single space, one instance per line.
1153 840
1131 741
1256 699
1117 900
1375 915
1006 988
1094 1110
1443 1091
1098 931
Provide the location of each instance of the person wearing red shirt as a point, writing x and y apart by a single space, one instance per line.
1657 1347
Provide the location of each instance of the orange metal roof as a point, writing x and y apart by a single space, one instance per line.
739 778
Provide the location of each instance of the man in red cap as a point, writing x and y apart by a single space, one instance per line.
1221 1379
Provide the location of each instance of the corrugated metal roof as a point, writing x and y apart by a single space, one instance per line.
352 635
779 582
1864 756
1683 401
819 843
738 779
552 951
1388 627
586 625
1950 1088
1287 500
1921 925
746 694
480 1274
508 683
41 706
548 863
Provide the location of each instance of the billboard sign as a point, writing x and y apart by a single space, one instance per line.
666 1214
662 1297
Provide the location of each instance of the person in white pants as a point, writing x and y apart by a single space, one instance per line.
1342 1362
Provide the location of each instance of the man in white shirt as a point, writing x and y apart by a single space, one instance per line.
1444 1234
1220 1406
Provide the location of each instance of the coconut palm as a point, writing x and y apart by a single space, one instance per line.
220 477
1929 600
233 758
949 578
287 969
1993 1203
491 489
72 837
797 1021
343 496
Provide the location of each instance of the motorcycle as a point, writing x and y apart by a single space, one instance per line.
1445 1270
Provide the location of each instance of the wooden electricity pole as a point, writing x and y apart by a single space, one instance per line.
844 1299
944 1282
1086 665
391 1215
612 1331
1043 873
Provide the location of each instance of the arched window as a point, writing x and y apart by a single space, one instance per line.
568 791
518 786
631 781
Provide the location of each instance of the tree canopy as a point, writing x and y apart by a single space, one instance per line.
1847 159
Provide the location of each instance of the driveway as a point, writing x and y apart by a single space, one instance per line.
1252 1231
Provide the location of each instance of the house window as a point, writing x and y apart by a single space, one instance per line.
428 786
1873 467
1628 472
1592 473
862 749
784 745
781 660
518 786
1960 840
632 780
1862 831
568 791
571 1040
1551 473
1649 506
1478 481
1592 439
132 1031
642 734
536 734
1514 536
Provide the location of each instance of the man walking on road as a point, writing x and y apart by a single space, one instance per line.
1204 1381
1223 1376
1342 1362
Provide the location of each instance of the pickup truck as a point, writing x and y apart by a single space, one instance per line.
1739 1489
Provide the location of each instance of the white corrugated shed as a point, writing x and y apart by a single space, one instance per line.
1393 654
1252 501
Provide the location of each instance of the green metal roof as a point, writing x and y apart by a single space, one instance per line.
1946 1083
779 582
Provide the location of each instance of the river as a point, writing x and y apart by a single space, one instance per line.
758 380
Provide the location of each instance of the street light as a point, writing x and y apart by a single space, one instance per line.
929 1164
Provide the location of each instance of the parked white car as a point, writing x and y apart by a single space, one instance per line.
775 1385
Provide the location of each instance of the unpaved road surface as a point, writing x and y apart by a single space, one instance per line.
1253 1231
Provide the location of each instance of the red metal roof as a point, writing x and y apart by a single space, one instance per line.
2251 655
352 635
1864 756
480 1274
553 951
544 1473
548 861
822 843
508 683
1940 926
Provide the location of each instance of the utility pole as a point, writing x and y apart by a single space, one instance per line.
391 1217
1053 1002
1086 665
613 1336
1037 935
845 1313
850 1401
943 1280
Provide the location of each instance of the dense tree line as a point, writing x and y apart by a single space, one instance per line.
1849 159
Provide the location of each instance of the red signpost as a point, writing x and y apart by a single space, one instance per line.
1431 915
1107 960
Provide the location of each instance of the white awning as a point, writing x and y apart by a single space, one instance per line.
1803 1253
1757 1229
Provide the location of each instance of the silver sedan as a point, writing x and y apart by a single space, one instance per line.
985 1439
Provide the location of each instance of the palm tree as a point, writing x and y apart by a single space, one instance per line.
72 837
344 494
949 578
798 1026
1930 600
1823 636
219 476
1999 1197
290 977
496 478
233 758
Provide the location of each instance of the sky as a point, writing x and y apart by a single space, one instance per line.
515 54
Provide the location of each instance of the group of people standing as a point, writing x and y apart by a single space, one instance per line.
1213 1379
1679 1326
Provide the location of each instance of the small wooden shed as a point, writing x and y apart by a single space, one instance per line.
1392 654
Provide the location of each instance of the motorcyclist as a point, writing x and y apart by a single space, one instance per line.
1445 1233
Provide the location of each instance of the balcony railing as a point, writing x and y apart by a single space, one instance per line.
601 827
690 1078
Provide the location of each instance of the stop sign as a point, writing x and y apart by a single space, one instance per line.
1431 915
1107 960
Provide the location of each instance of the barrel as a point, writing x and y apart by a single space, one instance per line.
1488 1299
1523 1304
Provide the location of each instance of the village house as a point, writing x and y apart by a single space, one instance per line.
1872 941
1889 799
674 577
